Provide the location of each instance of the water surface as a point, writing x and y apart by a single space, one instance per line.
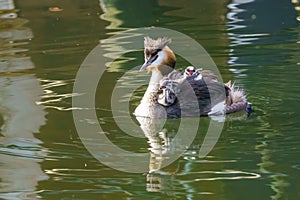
254 43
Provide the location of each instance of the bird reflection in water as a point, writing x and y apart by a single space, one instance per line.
161 139
167 151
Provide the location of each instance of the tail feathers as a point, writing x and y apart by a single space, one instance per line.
238 99
235 107
236 94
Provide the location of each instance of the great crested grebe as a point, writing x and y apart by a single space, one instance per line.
193 92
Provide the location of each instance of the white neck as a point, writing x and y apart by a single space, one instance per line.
155 77
152 87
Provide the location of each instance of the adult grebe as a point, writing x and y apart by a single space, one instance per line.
172 94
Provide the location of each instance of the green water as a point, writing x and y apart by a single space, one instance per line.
254 43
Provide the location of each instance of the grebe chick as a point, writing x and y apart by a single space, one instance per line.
190 71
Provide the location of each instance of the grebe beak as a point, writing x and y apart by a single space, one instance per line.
149 62
145 65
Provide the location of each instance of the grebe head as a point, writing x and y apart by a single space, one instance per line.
158 56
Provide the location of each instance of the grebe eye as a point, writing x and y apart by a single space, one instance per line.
155 52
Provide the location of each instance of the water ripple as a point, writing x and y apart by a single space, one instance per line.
53 98
220 175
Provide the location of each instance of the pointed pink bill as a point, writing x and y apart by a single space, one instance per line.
145 65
